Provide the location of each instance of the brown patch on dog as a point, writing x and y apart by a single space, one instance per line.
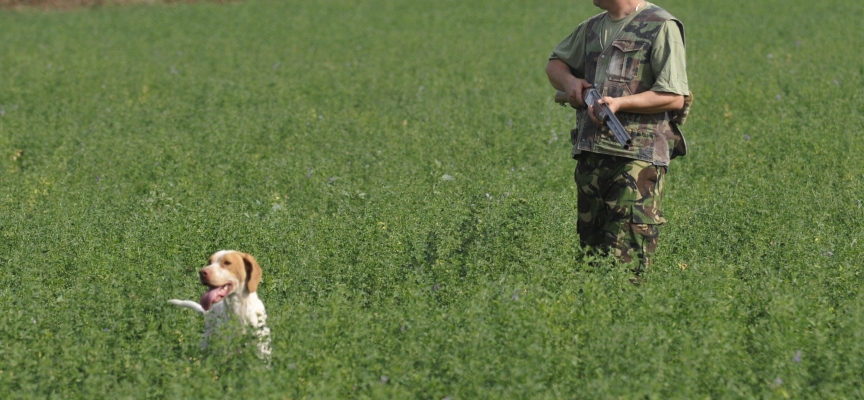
253 272
233 262
244 267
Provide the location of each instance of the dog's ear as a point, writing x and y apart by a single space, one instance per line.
253 272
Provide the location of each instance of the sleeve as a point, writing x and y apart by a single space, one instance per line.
571 50
669 61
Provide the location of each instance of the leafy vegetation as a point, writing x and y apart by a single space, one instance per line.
73 4
403 177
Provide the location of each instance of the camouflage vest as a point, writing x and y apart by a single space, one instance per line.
623 69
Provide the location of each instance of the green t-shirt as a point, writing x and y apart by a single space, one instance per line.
668 56
612 27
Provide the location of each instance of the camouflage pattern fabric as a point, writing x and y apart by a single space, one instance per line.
679 117
619 206
624 69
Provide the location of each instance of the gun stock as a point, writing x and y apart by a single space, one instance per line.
561 97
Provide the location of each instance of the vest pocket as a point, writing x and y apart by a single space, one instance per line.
624 60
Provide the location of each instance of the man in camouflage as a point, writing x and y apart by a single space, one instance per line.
633 54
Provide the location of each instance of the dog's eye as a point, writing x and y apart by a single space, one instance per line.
227 262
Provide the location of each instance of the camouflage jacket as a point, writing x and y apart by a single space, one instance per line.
624 69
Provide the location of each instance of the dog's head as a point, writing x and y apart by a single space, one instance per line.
229 272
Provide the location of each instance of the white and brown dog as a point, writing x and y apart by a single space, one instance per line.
232 278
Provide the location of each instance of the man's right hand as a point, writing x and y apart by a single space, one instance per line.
576 93
562 79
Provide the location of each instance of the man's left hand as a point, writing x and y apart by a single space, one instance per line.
612 102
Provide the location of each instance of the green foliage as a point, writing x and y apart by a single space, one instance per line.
403 177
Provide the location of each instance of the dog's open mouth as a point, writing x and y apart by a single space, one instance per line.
215 295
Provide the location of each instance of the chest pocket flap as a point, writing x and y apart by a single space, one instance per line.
625 57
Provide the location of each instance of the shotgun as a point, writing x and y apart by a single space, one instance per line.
603 113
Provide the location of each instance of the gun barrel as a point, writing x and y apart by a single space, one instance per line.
615 126
609 119
592 96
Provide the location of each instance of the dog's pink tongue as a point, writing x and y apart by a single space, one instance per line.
212 296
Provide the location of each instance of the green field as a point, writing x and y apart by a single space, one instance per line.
402 175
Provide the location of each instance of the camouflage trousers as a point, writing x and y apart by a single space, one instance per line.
619 206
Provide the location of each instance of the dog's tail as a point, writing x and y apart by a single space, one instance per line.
188 304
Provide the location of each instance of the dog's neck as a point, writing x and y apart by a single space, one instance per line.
238 303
